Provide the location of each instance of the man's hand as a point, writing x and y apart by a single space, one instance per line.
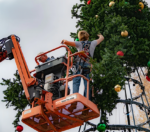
68 43
101 38
99 34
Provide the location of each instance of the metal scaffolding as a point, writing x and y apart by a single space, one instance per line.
128 102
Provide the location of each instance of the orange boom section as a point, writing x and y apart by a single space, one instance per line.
49 97
22 67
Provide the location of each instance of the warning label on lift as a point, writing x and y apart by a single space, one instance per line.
27 111
67 99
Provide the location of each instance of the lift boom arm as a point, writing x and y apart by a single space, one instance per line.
13 50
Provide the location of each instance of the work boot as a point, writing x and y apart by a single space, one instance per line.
72 107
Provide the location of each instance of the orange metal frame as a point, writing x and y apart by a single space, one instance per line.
24 73
38 117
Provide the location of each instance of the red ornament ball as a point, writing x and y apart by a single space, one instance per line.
120 53
89 2
140 10
147 78
19 128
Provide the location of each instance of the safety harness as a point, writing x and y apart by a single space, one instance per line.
83 70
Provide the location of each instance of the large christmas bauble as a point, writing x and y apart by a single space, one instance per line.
111 3
101 127
148 64
89 2
147 78
19 128
117 88
77 39
141 5
120 53
124 33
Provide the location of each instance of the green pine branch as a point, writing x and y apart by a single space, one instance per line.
14 96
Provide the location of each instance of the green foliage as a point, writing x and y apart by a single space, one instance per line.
108 68
15 96
106 74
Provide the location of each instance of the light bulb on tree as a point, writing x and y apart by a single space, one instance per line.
96 16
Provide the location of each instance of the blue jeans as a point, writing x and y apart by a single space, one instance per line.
77 80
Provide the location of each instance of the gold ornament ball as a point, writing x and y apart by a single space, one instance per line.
96 16
124 33
141 5
117 88
111 3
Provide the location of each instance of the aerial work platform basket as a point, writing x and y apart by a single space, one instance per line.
48 115
60 118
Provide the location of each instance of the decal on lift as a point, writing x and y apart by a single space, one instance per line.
67 99
26 112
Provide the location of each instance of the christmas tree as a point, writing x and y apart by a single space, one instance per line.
126 27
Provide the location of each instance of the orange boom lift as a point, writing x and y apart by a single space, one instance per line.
49 112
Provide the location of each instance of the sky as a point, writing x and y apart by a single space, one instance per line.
41 25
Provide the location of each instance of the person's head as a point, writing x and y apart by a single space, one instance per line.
42 58
83 35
